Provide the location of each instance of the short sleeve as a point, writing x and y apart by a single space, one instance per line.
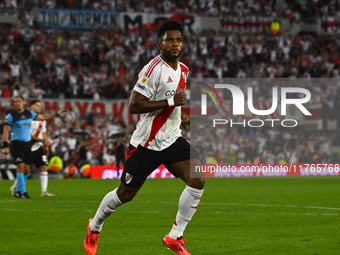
9 120
34 115
146 85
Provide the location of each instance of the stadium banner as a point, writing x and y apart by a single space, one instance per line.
119 108
110 172
82 107
250 24
237 170
131 22
77 19
330 25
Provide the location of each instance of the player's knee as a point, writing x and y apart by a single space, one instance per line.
126 196
43 168
197 183
27 169
20 168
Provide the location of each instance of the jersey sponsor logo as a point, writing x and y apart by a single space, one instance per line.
170 93
18 160
128 178
169 80
173 92
144 80
19 126
23 117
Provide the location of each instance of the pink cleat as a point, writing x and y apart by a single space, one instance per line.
91 240
176 245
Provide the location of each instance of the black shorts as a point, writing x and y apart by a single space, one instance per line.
39 158
141 162
21 152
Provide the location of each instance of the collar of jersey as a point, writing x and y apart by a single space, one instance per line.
166 63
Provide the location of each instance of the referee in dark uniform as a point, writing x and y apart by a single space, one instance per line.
18 124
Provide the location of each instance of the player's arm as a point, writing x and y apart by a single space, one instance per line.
36 139
44 140
5 138
139 103
7 129
46 144
47 116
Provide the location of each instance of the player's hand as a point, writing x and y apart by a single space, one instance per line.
185 118
61 111
5 150
180 99
47 143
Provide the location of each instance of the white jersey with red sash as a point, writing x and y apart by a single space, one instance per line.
38 127
159 129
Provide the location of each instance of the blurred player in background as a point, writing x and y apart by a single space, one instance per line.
18 124
119 148
40 149
157 140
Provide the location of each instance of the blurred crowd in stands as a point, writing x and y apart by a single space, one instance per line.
292 9
101 140
265 145
104 64
99 64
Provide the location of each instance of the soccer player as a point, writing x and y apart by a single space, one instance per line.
119 149
18 123
158 96
39 149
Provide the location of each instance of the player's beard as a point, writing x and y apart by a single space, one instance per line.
170 56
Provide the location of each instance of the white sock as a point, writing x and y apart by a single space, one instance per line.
187 206
107 207
15 184
44 181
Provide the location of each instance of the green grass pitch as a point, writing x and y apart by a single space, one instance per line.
237 216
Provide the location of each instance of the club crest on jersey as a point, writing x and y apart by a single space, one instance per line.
128 178
144 80
184 76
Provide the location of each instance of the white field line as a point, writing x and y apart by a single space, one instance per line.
201 211
154 212
202 203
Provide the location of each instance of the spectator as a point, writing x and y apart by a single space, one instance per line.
71 171
6 91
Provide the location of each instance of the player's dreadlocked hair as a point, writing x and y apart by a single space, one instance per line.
169 25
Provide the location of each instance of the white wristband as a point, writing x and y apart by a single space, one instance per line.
171 101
